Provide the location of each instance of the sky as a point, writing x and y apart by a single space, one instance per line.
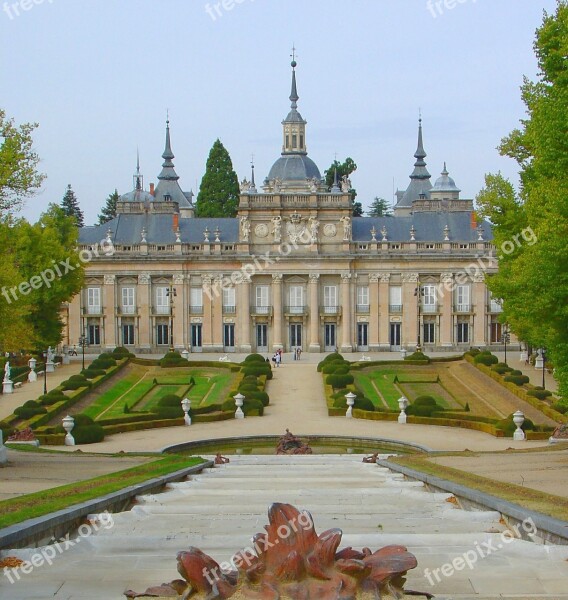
100 75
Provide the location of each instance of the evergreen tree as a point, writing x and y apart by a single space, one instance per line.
219 191
345 168
108 211
531 228
379 208
71 207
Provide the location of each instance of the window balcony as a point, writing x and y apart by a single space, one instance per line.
127 310
462 308
395 308
300 310
229 310
93 309
494 307
196 309
363 309
161 310
261 310
330 310
429 308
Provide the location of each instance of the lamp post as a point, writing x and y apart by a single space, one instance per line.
83 343
45 354
543 367
505 338
171 293
418 294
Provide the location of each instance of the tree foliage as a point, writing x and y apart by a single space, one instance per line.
344 169
19 178
533 278
379 208
71 208
108 211
219 191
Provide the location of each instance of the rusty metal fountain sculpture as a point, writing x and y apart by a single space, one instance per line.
290 444
291 562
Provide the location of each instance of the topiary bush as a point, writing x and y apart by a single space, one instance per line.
424 400
75 384
30 409
423 406
121 352
473 352
334 356
485 358
338 382
102 363
418 355
88 434
253 405
516 372
170 400
255 358
361 402
173 359
52 397
501 370
540 394
561 408
257 369
250 379
92 373
517 379
261 396
509 427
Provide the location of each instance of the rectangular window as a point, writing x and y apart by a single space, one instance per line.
463 333
301 141
196 300
93 300
496 332
294 141
261 301
128 335
462 298
495 304
428 298
162 301
395 298
94 335
128 301
429 332
229 300
287 141
296 299
162 335
363 298
330 299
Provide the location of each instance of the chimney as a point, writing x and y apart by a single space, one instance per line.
152 189
176 222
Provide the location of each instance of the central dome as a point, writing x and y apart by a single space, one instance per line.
294 167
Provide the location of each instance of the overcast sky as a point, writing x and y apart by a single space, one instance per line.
99 75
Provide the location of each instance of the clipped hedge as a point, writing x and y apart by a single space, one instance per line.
540 394
417 356
173 359
170 400
517 379
485 358
254 358
338 382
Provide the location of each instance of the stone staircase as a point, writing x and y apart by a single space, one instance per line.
220 509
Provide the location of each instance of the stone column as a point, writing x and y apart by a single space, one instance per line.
179 328
446 294
207 331
479 300
384 314
217 314
314 313
347 313
277 308
143 299
75 320
244 313
410 308
374 312
109 303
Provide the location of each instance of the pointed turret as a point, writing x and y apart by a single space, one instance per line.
294 124
168 171
138 179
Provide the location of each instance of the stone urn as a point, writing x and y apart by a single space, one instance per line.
402 404
350 397
239 401
68 424
518 420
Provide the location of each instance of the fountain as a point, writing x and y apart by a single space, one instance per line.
290 561
290 444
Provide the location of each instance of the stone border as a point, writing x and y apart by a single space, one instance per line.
39 530
213 442
550 529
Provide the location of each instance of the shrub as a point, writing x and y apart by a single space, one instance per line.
361 403
126 409
424 401
473 351
253 405
423 406
173 359
168 412
77 378
257 370
255 358
92 373
486 359
333 366
102 363
517 379
561 408
466 407
229 405
247 388
342 370
417 356
540 394
501 370
262 396
334 356
192 380
170 400
7 430
121 352
339 381
30 409
75 385
52 397
516 372
509 427
88 434
250 379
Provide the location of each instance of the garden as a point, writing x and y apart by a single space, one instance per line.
442 391
118 392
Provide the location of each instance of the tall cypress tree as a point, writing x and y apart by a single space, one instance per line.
108 211
219 191
71 207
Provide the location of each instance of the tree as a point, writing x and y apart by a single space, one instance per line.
344 169
108 211
71 207
531 228
18 163
379 208
219 191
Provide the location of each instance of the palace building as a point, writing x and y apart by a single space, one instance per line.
293 269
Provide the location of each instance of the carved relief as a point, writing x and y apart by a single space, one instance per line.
144 279
446 277
261 230
329 230
179 279
109 279
409 277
